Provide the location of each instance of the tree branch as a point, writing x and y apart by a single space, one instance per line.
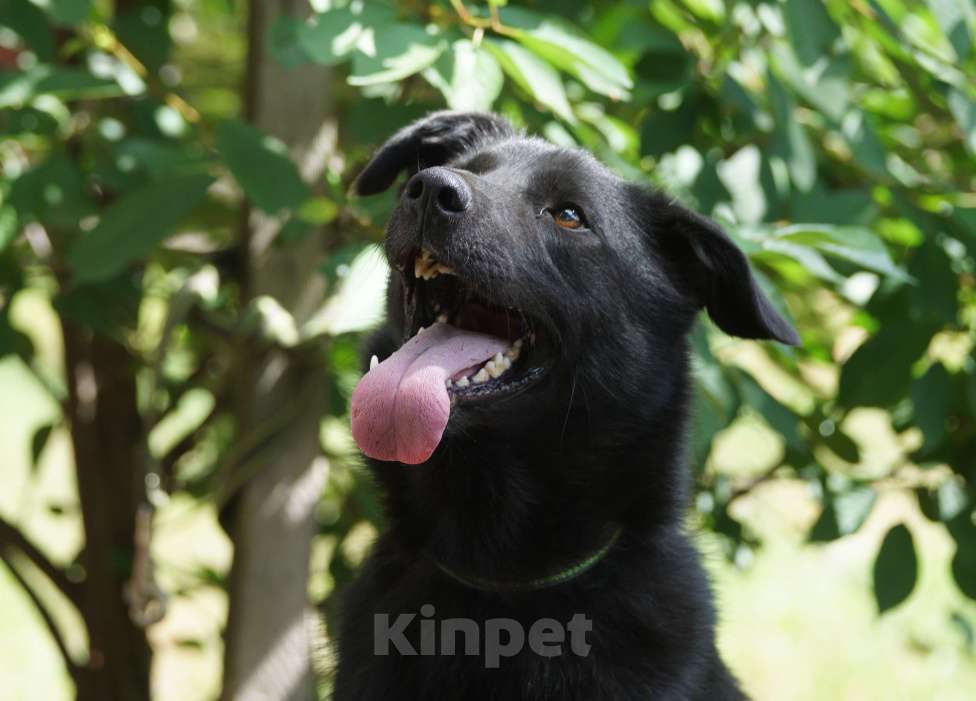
49 623
10 535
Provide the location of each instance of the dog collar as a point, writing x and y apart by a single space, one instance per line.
561 577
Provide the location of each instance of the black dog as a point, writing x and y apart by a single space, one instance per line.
535 549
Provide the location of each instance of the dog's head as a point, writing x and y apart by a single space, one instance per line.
532 269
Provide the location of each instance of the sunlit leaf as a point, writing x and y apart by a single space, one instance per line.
468 76
956 18
399 51
855 244
533 75
568 49
18 87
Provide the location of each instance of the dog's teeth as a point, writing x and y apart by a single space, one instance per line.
463 382
442 318
373 362
481 376
419 330
498 358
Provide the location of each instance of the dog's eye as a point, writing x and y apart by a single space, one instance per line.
569 216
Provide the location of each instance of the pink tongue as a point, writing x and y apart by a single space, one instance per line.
400 408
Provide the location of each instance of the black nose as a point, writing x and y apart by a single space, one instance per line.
440 188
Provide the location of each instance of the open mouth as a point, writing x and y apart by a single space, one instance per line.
439 296
459 348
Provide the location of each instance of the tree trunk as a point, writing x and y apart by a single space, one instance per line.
106 435
268 643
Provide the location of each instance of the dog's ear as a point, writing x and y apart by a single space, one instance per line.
717 273
429 142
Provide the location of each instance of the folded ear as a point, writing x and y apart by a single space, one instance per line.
431 141
718 273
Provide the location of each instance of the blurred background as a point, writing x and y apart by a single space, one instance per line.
184 283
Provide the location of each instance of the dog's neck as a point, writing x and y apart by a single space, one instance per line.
496 506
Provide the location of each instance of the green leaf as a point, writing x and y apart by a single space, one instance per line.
38 441
331 37
880 370
936 296
955 18
318 210
399 51
54 193
964 110
780 418
825 529
853 508
18 87
533 75
827 90
27 20
931 398
945 503
8 226
867 149
262 167
790 139
565 47
13 341
964 560
360 299
843 446
468 76
131 227
68 12
812 32
895 568
851 243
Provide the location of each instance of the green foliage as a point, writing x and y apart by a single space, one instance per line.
836 141
895 568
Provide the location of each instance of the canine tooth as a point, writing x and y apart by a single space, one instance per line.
373 362
419 330
498 358
481 376
442 318
463 382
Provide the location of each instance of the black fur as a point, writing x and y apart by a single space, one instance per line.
521 486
